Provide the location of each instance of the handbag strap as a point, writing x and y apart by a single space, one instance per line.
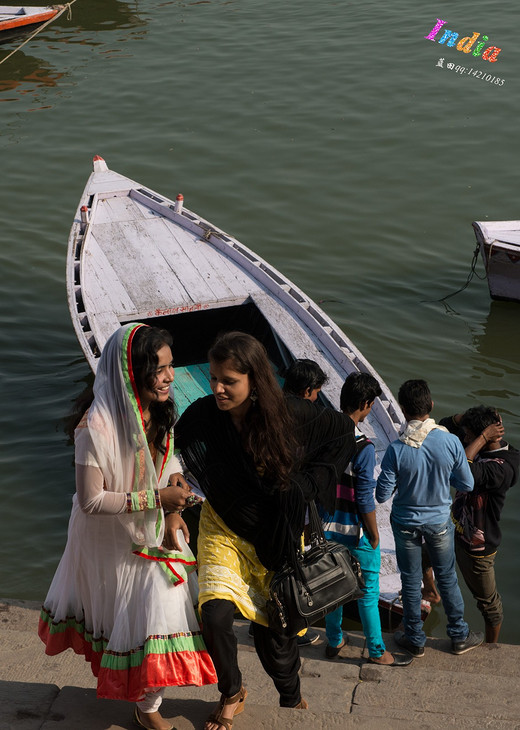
317 534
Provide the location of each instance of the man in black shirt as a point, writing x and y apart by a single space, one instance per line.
494 464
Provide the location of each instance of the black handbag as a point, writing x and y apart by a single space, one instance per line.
322 578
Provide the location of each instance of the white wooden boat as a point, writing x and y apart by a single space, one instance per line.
136 256
500 250
20 20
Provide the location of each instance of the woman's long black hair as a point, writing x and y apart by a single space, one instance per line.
268 427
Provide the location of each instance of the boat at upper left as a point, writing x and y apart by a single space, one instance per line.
20 20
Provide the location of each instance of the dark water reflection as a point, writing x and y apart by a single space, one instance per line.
25 74
102 15
499 339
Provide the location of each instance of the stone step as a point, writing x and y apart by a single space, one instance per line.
477 689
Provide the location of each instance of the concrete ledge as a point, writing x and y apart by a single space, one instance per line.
477 689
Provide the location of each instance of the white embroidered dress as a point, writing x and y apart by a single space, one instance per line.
118 597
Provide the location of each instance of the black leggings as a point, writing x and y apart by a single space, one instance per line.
279 656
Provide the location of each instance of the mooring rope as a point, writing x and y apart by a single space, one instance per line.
471 274
38 30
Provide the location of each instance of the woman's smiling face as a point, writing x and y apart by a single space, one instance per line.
230 388
164 375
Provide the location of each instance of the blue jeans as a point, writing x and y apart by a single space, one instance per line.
441 549
370 561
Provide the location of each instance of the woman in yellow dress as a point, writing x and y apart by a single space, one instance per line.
259 458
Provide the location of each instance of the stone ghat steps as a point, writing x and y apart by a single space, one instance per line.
478 689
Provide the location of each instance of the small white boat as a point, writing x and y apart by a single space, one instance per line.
136 256
500 250
20 20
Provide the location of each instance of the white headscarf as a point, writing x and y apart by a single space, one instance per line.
115 421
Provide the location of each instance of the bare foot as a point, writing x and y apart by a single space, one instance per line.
385 658
429 590
153 720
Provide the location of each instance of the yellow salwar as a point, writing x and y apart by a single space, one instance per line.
228 568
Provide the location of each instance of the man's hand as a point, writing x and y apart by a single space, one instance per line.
174 496
174 523
493 432
370 525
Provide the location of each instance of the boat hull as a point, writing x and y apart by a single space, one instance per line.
499 243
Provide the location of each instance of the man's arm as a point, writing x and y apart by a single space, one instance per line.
363 468
461 476
364 465
452 423
387 480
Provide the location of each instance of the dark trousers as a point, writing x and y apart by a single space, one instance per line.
479 575
217 630
279 656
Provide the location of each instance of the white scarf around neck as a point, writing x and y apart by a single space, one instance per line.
416 431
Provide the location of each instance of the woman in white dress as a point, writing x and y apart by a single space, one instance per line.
118 596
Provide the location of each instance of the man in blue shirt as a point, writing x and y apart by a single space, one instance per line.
419 467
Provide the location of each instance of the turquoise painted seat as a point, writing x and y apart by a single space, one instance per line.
191 382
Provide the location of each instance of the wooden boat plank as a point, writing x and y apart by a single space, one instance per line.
201 279
101 286
118 208
224 278
200 374
129 233
208 275
133 255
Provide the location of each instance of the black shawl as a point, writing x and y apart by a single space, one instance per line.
254 507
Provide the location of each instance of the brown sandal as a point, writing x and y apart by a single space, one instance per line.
216 715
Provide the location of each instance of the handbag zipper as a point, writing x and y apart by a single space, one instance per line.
281 612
